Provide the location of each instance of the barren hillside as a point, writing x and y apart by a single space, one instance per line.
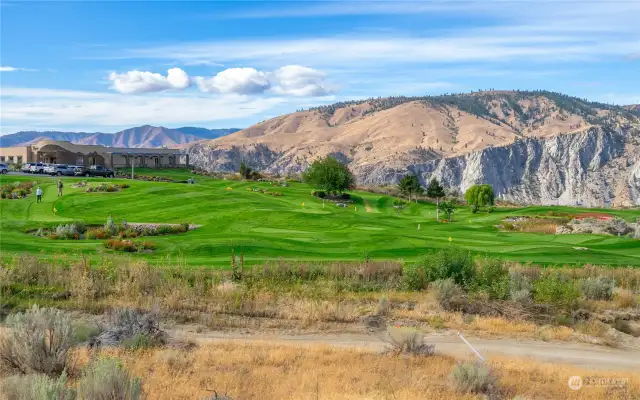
401 133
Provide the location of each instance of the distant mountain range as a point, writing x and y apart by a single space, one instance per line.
536 147
142 136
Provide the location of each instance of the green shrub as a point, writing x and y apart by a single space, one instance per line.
415 278
474 209
520 287
409 341
140 341
449 262
106 379
473 378
556 289
493 278
600 288
36 387
37 341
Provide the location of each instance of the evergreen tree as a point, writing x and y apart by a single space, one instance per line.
409 184
436 191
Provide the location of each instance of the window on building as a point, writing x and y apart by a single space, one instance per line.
10 159
19 159
1 158
156 160
79 160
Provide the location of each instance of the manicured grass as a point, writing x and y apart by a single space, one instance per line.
268 228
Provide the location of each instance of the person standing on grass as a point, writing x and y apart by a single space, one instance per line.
60 186
38 195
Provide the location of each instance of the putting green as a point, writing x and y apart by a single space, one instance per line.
293 226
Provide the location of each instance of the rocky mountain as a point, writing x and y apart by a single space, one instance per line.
143 136
535 147
205 133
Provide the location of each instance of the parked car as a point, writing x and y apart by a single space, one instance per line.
37 168
78 170
4 168
60 169
27 167
99 170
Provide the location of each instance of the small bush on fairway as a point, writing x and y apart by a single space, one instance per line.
38 341
120 245
600 288
97 233
106 379
473 378
110 227
70 231
36 387
409 341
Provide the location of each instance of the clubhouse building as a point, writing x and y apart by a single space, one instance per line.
63 152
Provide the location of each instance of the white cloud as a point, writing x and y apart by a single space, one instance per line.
297 80
49 108
235 80
133 82
527 31
293 80
6 68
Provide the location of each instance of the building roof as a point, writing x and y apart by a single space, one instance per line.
83 148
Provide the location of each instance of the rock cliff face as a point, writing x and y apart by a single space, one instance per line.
595 164
595 168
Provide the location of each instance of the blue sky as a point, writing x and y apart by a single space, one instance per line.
105 66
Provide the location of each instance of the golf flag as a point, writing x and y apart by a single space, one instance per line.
303 204
55 210
450 239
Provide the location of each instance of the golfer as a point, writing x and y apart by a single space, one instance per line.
38 195
60 186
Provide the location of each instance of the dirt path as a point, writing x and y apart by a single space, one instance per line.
580 355
367 206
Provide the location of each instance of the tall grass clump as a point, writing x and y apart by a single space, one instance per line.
450 262
409 341
472 377
446 292
107 379
132 329
600 288
37 341
36 387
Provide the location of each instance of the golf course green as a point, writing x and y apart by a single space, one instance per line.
294 226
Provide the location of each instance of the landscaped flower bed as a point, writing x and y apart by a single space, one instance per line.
16 190
78 230
104 187
128 245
